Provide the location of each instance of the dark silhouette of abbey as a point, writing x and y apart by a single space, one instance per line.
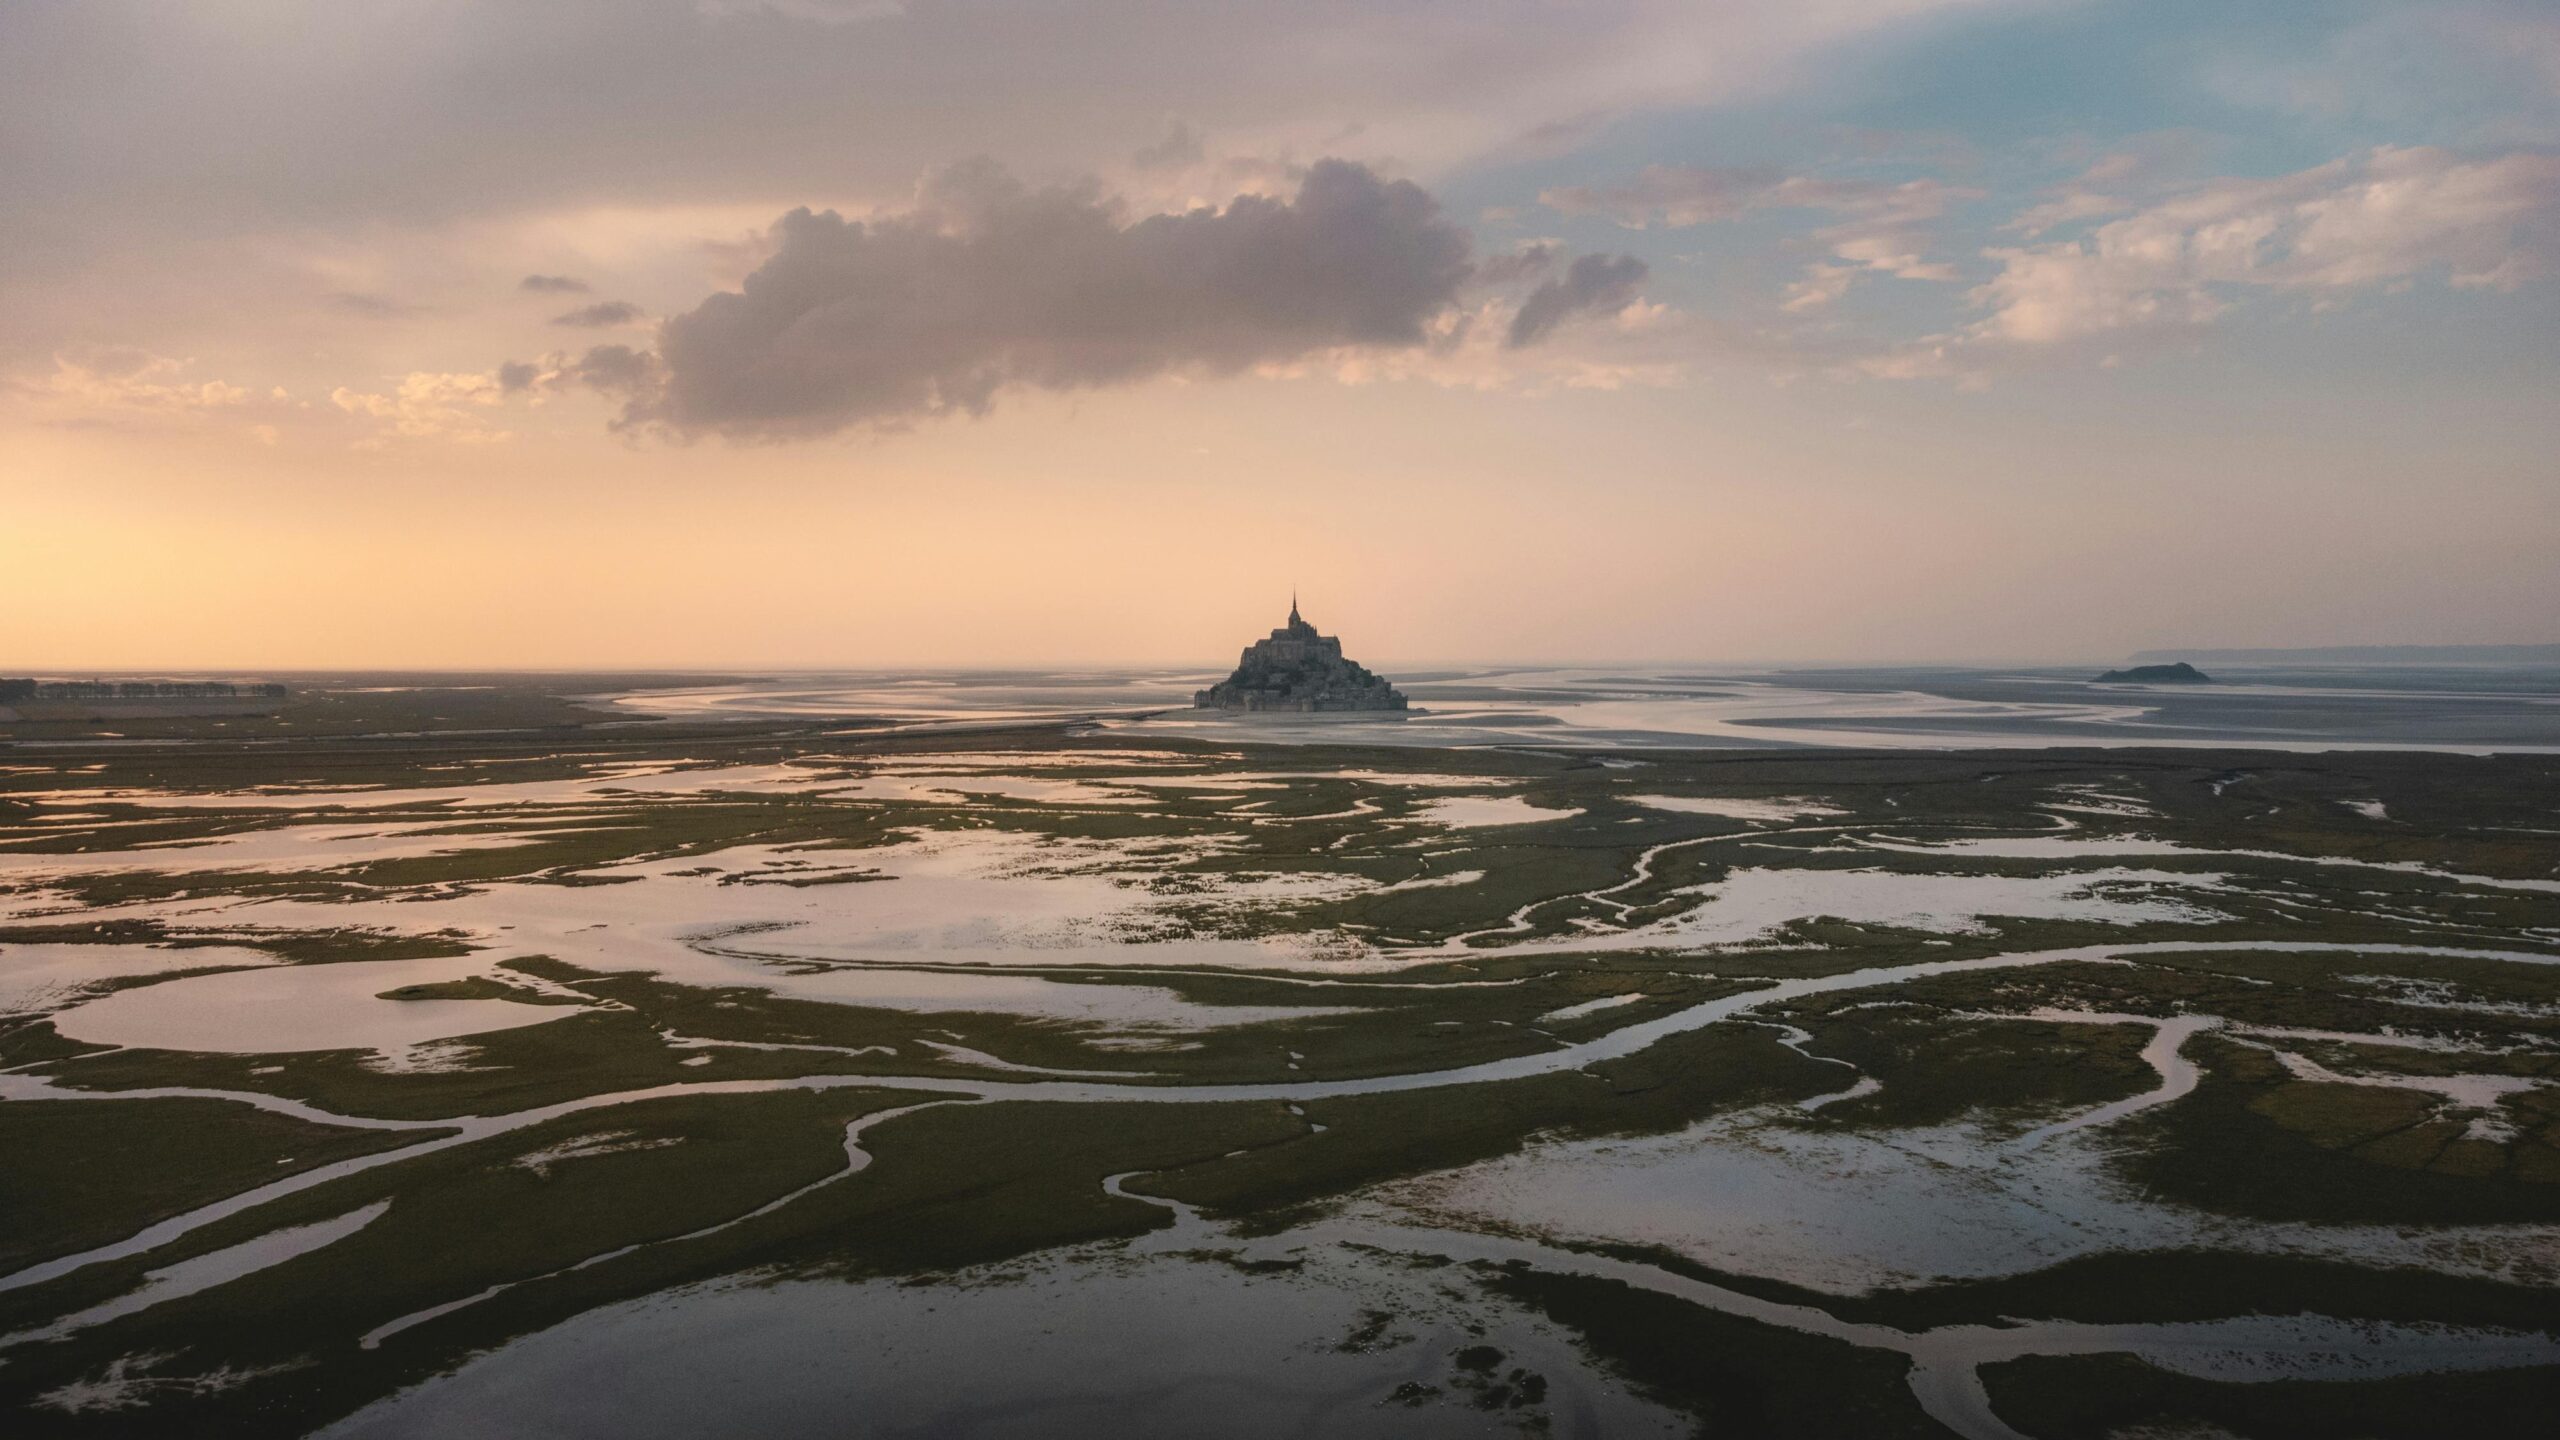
1297 669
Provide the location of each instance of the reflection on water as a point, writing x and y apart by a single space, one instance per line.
1085 1342
1191 1332
1845 1211
278 1009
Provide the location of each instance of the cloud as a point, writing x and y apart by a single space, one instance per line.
1640 346
2388 216
1883 226
1820 285
2474 73
123 387
1887 229
303 104
2148 167
1676 196
578 93
431 406
987 284
602 314
1592 282
1671 195
554 285
372 307
818 12
616 370
1562 136
111 228
1180 147
121 378
1526 263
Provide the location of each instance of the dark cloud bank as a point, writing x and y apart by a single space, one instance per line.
988 284
1592 282
601 314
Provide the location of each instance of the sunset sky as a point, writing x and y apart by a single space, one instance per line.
803 333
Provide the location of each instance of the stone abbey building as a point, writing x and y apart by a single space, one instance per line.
1296 669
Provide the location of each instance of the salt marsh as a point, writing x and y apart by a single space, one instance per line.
1396 1061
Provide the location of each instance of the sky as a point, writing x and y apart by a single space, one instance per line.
866 334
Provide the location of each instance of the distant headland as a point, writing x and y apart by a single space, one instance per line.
2177 673
1297 669
2501 655
35 699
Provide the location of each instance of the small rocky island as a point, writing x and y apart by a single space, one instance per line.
1296 669
2180 673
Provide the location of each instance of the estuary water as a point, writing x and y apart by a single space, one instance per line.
2414 708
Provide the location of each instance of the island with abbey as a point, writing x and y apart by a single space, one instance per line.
1297 669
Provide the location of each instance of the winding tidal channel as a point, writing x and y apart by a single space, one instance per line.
1945 1361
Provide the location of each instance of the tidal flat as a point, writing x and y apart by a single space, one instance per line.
575 1076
